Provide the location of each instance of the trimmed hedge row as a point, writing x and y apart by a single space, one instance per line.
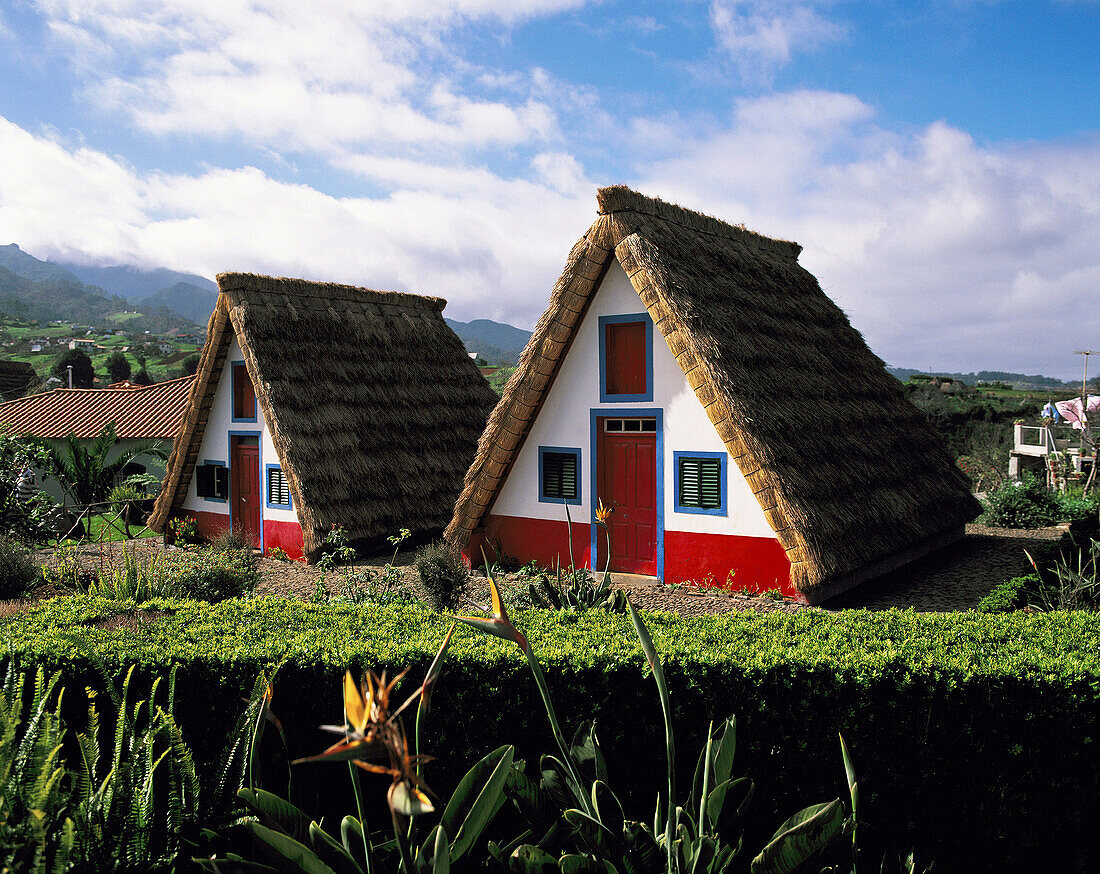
974 735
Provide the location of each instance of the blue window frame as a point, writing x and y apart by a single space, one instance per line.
701 482
277 490
559 475
647 395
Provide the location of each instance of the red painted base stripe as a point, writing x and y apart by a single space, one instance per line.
285 535
546 542
759 564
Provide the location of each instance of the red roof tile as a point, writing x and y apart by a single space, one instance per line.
145 412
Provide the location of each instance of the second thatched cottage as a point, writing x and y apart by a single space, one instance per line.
694 378
317 405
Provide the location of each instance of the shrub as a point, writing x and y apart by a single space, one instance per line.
1024 504
136 578
1009 595
980 729
443 574
209 574
130 502
17 568
233 541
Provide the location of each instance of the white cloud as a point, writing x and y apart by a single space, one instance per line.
942 251
761 35
490 245
323 78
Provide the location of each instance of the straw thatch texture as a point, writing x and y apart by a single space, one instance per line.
373 404
842 464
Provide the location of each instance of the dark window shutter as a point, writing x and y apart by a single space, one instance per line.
559 475
204 480
701 483
221 481
277 490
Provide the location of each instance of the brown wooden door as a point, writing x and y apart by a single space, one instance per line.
245 495
627 480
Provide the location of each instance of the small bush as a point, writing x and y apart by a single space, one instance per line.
210 574
136 578
1026 504
233 541
1009 595
443 574
17 569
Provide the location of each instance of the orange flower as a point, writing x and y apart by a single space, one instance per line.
498 624
603 511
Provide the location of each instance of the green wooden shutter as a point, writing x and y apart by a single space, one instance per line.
559 475
701 483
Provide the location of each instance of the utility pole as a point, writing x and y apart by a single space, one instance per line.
1086 423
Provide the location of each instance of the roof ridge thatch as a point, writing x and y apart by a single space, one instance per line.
805 409
373 405
331 291
619 199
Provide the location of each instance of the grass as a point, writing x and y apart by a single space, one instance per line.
103 532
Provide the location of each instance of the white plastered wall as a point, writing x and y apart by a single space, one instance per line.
564 421
215 444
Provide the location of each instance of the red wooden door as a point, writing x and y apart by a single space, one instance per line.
626 464
245 486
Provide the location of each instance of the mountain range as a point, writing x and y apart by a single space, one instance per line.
51 290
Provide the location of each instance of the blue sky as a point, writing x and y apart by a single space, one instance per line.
938 161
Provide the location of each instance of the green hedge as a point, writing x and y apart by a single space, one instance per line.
974 735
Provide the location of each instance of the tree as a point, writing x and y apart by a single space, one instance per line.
84 472
190 365
142 377
83 372
118 367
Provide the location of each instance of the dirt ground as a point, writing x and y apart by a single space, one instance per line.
954 578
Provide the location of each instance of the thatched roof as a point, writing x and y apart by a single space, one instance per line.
15 378
373 404
843 465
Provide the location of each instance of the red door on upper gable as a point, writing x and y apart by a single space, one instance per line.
245 486
626 475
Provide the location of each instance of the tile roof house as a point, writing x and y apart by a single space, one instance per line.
692 375
140 414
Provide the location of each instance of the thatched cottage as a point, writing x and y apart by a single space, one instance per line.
318 405
692 376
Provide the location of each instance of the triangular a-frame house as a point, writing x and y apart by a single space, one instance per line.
692 376
317 405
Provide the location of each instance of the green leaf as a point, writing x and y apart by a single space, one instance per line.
608 808
529 859
277 812
476 799
573 864
331 852
287 853
586 752
850 774
802 836
441 853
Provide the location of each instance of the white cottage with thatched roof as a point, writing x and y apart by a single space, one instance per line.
317 405
693 377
